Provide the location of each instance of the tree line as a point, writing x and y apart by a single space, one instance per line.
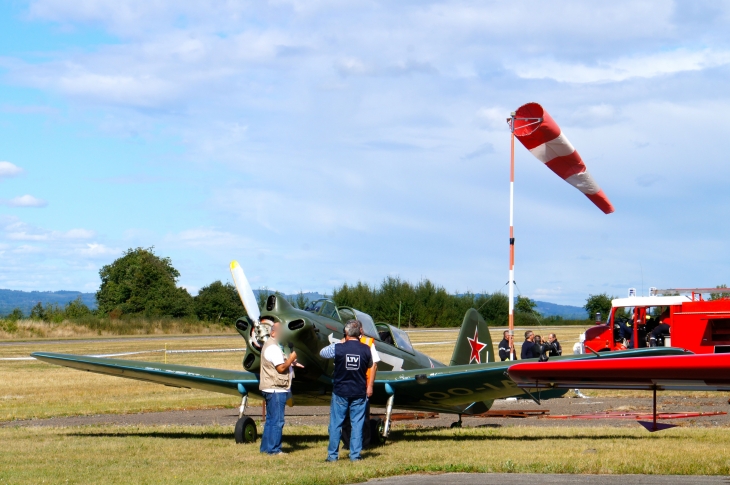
143 284
427 305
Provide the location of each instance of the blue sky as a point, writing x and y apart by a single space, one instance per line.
325 142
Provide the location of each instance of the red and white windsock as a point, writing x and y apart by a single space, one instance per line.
545 140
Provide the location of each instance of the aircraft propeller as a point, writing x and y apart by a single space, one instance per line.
249 302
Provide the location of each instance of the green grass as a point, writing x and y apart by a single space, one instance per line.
177 454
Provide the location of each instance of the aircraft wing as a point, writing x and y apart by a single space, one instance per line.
462 388
214 380
704 372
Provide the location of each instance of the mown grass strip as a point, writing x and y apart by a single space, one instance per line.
188 454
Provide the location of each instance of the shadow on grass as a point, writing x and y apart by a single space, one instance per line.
177 435
296 442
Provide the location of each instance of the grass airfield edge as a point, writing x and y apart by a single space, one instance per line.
191 454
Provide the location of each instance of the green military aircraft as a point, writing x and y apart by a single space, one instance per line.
406 378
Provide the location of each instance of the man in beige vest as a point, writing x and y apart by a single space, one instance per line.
275 384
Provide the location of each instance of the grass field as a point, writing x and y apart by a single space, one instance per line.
114 454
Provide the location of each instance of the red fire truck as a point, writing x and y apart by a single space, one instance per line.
678 317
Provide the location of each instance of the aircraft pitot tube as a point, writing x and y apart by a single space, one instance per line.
541 135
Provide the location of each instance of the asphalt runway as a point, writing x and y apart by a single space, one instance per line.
531 479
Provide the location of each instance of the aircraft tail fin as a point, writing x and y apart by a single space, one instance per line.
474 344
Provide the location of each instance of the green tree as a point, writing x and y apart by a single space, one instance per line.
300 301
263 294
600 303
51 312
718 296
526 305
38 313
494 308
76 309
15 315
140 282
219 302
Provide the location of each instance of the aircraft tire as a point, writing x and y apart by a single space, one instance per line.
377 426
245 431
372 434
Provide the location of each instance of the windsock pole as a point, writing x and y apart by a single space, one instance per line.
511 281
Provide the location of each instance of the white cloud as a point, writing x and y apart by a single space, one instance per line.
353 66
79 234
95 250
623 68
206 237
494 118
141 91
26 201
7 169
596 115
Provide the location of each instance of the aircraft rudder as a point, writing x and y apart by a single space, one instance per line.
474 343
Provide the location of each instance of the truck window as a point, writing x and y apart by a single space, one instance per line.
720 329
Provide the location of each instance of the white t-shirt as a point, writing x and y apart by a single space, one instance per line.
275 355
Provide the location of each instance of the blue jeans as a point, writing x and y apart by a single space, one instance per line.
339 406
271 438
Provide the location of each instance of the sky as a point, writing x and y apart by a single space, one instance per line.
327 142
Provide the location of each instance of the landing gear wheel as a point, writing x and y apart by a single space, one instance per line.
376 433
245 431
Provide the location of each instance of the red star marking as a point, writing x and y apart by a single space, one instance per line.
476 347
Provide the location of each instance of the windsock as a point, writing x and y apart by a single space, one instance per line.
545 140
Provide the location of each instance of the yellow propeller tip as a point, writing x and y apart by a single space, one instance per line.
234 263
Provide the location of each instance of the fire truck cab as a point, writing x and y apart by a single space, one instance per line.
681 320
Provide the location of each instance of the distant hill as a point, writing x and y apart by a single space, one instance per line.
25 300
568 312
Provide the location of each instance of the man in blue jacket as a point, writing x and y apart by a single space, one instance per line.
529 349
350 389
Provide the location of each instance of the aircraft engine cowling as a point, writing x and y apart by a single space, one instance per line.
301 331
